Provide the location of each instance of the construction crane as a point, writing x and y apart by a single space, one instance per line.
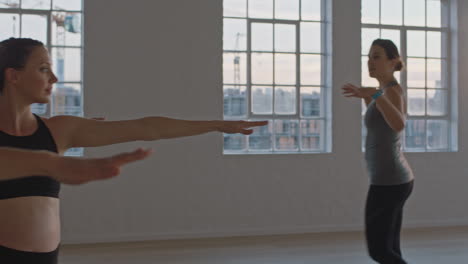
237 59
10 3
64 22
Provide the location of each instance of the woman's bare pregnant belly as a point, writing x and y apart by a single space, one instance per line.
30 223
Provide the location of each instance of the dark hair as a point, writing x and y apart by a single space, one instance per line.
14 53
391 50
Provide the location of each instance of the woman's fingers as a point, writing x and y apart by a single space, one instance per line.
81 170
247 131
242 127
127 157
254 123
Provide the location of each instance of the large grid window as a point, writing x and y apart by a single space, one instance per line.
273 69
420 29
58 24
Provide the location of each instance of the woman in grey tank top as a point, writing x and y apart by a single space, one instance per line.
391 178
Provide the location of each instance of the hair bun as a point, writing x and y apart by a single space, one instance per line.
399 66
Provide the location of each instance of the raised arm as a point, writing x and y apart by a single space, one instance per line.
391 105
18 163
350 90
83 132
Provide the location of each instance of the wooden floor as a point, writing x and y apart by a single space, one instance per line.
425 246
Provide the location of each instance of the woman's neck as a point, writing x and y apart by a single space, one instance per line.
14 116
383 81
386 80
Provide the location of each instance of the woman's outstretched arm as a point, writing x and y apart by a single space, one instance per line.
82 132
18 163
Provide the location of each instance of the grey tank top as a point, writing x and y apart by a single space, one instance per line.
386 163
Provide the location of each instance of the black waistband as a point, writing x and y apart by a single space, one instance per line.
9 255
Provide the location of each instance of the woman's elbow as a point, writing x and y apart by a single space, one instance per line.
399 127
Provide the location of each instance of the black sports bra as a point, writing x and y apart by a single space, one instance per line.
35 185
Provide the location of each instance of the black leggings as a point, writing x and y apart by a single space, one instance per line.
384 214
13 256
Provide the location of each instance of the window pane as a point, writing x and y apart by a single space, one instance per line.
262 68
310 69
66 29
310 37
235 8
234 34
434 42
69 5
365 78
235 142
434 69
437 134
76 152
66 99
285 38
368 35
9 26
234 68
370 11
433 13
262 100
287 9
285 69
285 100
416 102
311 102
392 12
416 43
235 101
397 76
436 102
262 37
9 4
416 72
415 12
39 109
415 137
393 35
286 135
310 10
35 27
311 135
261 8
67 64
35 4
261 138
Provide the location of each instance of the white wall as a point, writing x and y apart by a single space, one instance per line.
165 58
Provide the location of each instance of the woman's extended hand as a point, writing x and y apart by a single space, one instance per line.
242 127
70 170
350 90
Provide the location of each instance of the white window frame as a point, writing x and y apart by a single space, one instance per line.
446 77
325 83
46 110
